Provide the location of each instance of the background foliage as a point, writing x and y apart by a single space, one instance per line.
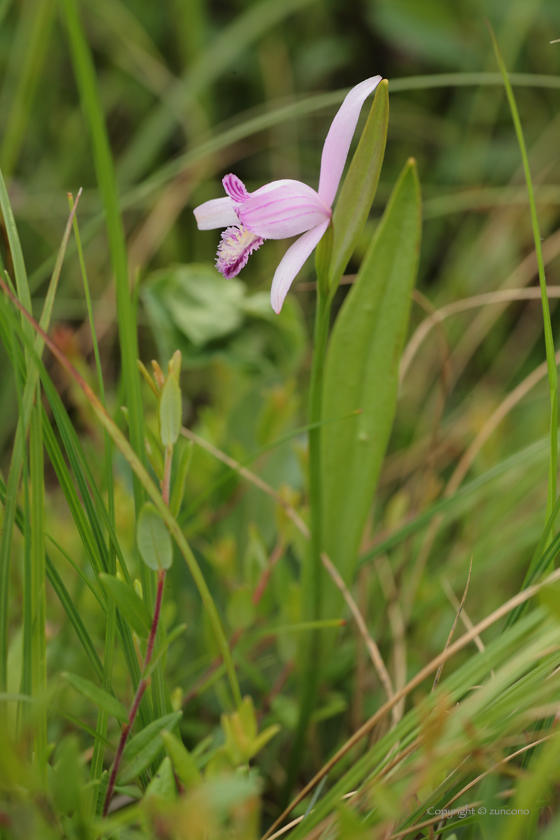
193 90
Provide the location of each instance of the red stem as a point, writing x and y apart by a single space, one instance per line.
142 685
166 481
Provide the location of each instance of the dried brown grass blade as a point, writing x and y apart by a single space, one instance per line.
452 631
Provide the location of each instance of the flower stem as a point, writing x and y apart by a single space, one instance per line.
142 685
312 573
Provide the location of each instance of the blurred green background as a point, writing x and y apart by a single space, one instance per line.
193 90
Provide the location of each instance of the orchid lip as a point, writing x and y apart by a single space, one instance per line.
236 246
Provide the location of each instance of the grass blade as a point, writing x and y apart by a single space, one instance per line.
548 337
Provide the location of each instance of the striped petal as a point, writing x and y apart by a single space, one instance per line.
216 213
337 144
292 262
282 209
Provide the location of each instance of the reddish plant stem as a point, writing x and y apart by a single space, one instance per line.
142 685
166 481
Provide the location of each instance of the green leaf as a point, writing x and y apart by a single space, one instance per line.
153 451
131 606
359 187
180 478
240 609
163 786
362 373
170 411
203 304
144 747
154 542
101 698
183 762
66 781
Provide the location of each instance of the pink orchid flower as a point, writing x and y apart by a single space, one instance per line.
283 208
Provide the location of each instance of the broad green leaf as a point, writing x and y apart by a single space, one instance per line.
206 316
203 304
154 542
170 410
359 187
162 786
101 698
131 606
362 373
183 762
144 747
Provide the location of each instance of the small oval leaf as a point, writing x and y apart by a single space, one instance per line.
154 541
98 696
170 411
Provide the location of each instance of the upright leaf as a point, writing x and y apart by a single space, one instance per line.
154 542
170 411
360 185
183 763
98 696
362 373
144 747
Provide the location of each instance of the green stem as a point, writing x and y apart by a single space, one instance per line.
548 337
312 573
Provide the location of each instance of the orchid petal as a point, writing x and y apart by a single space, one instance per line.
216 213
282 209
235 188
292 262
337 144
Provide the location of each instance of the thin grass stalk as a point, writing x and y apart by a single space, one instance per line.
40 17
548 337
15 465
37 620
